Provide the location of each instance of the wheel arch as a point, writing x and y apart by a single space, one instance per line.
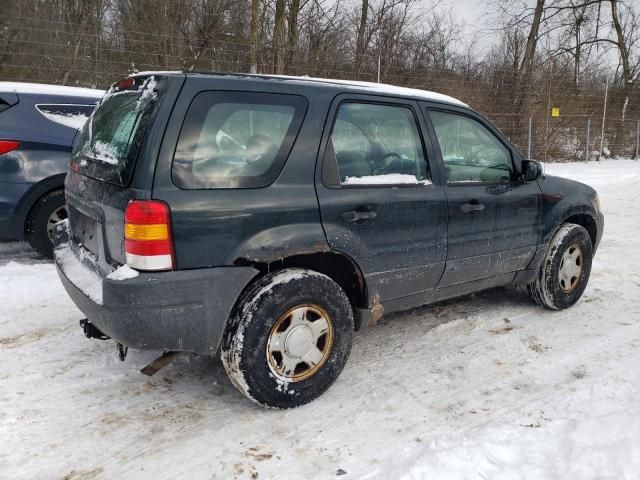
37 191
587 222
582 215
337 266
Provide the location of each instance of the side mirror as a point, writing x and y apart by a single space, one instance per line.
531 170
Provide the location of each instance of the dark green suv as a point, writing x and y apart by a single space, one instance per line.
267 218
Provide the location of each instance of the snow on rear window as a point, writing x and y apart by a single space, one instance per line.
105 153
107 146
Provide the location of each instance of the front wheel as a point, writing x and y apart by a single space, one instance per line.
288 338
565 270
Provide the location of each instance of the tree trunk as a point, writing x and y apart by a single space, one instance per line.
622 48
278 38
628 80
292 43
532 40
253 54
362 31
526 66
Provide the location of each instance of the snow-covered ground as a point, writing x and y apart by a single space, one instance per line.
486 386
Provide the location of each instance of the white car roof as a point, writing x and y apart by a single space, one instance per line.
46 89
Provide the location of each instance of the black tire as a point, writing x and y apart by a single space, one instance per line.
260 310
550 289
37 222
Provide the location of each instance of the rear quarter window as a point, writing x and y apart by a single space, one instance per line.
3 106
236 139
69 115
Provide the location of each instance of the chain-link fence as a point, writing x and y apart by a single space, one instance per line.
551 117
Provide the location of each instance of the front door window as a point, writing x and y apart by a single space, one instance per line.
470 152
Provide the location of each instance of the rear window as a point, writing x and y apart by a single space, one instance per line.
69 115
108 145
236 139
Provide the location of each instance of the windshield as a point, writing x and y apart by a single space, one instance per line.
107 147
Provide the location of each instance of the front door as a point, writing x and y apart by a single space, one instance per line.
493 216
377 200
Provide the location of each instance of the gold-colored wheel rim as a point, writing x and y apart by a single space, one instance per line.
300 342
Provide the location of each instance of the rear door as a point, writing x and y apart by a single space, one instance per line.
378 201
493 216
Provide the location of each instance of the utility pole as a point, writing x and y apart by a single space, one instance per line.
529 143
637 139
604 115
586 149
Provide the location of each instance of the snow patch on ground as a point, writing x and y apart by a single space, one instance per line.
485 386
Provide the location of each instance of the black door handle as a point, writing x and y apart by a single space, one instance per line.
471 207
356 216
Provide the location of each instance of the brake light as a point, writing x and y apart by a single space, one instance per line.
125 84
147 235
7 146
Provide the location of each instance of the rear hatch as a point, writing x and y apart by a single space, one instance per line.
113 161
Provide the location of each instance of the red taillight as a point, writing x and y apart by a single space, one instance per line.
147 235
7 146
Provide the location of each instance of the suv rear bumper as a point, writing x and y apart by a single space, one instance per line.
173 311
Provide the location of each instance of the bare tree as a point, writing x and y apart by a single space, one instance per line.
627 41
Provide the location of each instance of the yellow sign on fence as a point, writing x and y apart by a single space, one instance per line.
555 112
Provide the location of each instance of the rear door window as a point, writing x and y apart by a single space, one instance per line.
378 145
236 139
108 144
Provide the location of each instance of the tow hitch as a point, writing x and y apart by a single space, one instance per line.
91 331
122 351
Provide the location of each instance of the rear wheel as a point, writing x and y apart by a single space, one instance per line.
288 338
565 270
39 229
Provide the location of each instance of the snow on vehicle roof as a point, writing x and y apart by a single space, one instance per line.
381 88
46 89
